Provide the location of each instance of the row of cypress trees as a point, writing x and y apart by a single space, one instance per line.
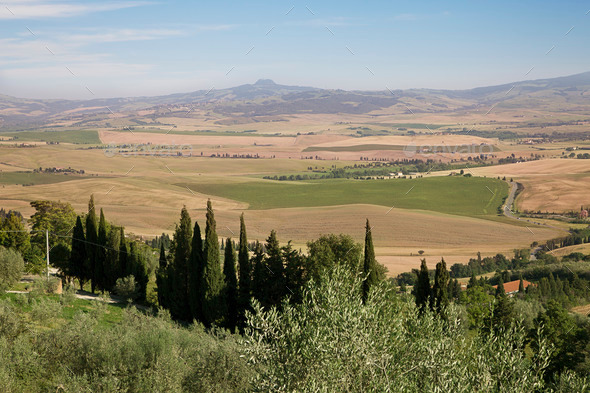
437 296
101 254
195 283
189 279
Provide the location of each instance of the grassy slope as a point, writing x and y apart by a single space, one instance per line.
76 136
452 195
110 314
31 178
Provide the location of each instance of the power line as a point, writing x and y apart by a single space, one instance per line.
68 237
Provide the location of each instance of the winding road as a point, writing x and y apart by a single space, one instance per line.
507 210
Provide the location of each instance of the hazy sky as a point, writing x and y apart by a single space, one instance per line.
88 49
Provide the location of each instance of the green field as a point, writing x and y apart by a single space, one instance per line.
109 314
453 195
355 148
418 126
76 136
32 178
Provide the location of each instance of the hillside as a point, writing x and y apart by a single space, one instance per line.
267 101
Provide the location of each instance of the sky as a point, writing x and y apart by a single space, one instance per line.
91 49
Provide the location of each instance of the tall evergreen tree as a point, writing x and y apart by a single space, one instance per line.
179 306
111 265
140 273
258 272
440 296
91 242
520 285
500 291
503 311
472 281
211 280
99 264
162 260
454 289
274 286
245 275
124 270
231 286
370 264
195 266
78 260
162 279
422 290
294 273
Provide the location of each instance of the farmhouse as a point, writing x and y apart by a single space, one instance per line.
511 287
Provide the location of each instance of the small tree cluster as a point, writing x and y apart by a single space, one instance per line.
101 254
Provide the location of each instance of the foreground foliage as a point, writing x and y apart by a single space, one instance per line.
141 354
331 342
328 342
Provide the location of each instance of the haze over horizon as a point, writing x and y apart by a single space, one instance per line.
85 50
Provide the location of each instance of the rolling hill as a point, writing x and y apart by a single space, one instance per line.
267 99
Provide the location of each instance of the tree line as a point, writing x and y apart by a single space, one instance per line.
101 255
196 282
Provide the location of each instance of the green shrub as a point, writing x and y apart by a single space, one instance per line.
46 285
127 288
68 295
45 310
331 342
11 322
11 268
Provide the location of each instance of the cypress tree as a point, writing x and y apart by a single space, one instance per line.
245 275
162 278
231 286
370 265
99 265
111 266
500 289
472 281
196 265
78 260
91 242
440 296
503 310
258 276
179 306
211 280
139 271
422 289
294 273
123 255
521 285
274 286
162 260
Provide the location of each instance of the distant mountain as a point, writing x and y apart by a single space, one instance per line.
577 82
266 98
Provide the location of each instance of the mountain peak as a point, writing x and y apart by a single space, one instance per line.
265 82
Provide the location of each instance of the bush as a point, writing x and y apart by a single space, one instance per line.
141 354
68 295
47 285
11 322
127 288
45 310
332 342
11 268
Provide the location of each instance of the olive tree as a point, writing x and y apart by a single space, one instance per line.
11 267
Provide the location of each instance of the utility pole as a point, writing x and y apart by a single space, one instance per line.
47 246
